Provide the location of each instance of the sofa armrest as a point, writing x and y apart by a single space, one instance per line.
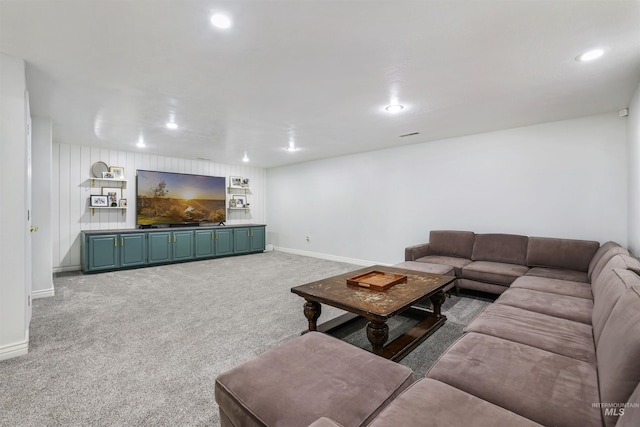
414 252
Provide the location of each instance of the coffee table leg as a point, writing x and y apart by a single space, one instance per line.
312 313
377 334
437 300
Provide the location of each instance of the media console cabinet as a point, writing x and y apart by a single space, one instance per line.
104 250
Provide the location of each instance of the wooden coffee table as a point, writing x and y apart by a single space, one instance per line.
378 306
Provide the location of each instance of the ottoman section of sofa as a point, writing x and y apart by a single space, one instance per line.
307 378
427 267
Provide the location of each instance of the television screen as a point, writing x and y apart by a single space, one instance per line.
178 198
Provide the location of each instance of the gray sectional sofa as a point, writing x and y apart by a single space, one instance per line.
549 351
492 262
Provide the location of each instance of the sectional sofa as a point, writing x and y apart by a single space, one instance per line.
549 351
492 262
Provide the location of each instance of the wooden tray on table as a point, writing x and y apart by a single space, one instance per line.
377 280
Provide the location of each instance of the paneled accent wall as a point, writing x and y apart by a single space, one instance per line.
71 188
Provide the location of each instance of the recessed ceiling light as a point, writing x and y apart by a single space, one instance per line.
220 20
245 158
172 125
141 144
590 55
394 108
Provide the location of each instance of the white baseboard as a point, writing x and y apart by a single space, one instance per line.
328 257
43 293
14 350
68 268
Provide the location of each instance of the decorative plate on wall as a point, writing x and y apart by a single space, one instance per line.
98 168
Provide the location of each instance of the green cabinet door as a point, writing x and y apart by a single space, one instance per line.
204 243
241 240
224 242
159 247
257 239
102 252
133 249
182 245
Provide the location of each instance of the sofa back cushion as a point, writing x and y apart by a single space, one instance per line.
595 268
618 351
610 287
508 248
599 286
457 244
561 253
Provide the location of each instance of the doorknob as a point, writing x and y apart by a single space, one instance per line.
32 229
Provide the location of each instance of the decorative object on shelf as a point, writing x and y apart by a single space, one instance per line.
232 203
123 203
117 171
107 175
99 201
245 182
108 190
241 200
98 168
235 181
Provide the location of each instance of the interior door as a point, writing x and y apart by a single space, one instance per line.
29 227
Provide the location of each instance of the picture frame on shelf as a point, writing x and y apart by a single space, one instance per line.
245 182
113 199
117 171
123 203
107 175
241 200
98 201
106 190
235 181
232 203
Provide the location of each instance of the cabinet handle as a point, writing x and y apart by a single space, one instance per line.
122 241
169 239
174 238
115 242
248 234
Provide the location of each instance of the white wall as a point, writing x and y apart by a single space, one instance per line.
41 143
562 179
14 322
71 188
633 135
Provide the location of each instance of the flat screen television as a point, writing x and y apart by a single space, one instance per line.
167 198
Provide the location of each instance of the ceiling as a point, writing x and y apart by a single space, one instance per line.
315 73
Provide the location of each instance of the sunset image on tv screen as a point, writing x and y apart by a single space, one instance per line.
169 198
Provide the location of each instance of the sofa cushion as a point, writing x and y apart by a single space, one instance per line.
563 306
556 273
493 272
506 248
431 402
602 257
457 244
545 387
561 336
554 286
612 285
561 253
617 261
618 350
456 263
277 387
